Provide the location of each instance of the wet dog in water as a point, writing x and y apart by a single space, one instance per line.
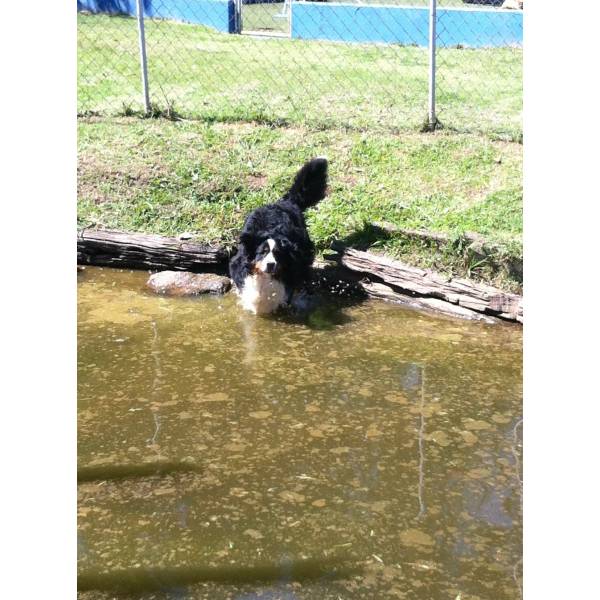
274 252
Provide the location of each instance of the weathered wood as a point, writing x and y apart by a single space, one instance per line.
145 251
416 282
388 279
336 280
339 280
386 292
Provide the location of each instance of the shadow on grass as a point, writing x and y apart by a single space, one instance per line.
462 254
364 238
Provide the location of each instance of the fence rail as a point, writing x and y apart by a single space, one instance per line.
360 63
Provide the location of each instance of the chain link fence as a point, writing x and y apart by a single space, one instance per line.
363 64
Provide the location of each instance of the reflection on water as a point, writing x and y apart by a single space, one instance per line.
358 451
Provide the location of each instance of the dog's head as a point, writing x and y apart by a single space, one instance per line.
269 255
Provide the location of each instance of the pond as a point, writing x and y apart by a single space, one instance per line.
363 450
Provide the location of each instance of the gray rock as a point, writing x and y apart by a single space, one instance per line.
183 283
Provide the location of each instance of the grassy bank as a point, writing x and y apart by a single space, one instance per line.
204 74
260 107
167 177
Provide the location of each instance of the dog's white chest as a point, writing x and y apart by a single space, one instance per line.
262 294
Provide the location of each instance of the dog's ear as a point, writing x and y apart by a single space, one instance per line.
285 245
293 249
252 240
247 246
247 240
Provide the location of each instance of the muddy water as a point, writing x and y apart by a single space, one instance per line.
359 451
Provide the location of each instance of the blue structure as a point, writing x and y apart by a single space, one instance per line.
218 14
470 27
359 23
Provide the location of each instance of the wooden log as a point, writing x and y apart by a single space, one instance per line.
385 292
145 251
339 280
407 285
416 282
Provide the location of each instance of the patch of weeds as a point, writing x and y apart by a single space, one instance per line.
169 112
128 111
501 210
272 122
485 261
475 265
428 127
257 117
205 178
515 137
86 114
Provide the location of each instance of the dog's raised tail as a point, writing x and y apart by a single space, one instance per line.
310 183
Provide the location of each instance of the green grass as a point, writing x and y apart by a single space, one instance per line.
261 17
168 177
260 107
208 75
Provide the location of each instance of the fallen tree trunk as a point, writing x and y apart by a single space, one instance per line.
387 279
420 283
381 291
338 280
145 251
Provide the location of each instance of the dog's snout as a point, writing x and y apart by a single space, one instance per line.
270 267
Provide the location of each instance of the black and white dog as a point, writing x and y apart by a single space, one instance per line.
274 252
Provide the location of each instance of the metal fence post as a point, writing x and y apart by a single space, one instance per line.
238 16
432 47
143 61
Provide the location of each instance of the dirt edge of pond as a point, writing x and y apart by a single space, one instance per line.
361 272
